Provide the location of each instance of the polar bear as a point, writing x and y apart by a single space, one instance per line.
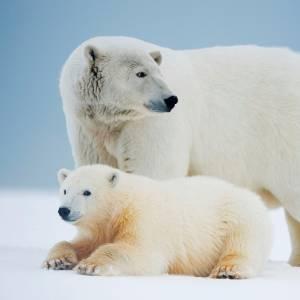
237 116
133 225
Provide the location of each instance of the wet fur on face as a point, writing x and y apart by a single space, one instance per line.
92 107
110 91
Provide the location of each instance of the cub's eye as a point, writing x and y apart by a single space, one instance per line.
141 74
65 192
86 193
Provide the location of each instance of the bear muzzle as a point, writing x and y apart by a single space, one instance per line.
66 214
162 106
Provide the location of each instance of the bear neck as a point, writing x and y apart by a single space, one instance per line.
101 117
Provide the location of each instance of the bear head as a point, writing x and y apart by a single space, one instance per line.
84 191
120 84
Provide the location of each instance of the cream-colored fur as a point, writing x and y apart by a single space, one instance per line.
294 229
237 117
133 225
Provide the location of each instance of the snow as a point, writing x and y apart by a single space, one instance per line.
30 226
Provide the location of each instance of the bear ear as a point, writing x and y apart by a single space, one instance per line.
62 174
113 178
92 54
156 55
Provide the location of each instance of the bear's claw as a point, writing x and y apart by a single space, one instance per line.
85 268
91 268
58 264
227 272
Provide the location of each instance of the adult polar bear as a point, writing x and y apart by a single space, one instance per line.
237 117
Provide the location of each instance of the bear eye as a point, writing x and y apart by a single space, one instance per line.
65 192
141 74
86 193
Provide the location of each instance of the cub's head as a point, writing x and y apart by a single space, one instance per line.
84 191
122 84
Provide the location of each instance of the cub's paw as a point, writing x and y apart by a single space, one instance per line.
86 267
90 267
61 257
60 263
230 271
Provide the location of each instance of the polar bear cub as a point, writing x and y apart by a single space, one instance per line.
133 225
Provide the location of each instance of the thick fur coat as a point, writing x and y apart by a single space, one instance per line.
133 225
237 116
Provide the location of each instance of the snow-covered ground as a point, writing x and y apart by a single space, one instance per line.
30 226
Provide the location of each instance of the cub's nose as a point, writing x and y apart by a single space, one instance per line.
64 212
170 102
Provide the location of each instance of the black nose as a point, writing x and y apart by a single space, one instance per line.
170 102
64 212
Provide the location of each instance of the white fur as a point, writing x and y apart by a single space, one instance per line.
195 226
237 117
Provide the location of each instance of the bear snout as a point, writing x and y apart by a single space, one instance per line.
171 102
165 105
64 212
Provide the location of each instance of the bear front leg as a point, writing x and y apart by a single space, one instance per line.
61 257
152 153
120 259
87 146
107 260
294 230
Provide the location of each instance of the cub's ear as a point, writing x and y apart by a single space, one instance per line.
62 174
92 54
113 178
156 55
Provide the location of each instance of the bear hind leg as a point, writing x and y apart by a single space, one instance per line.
246 250
232 266
294 230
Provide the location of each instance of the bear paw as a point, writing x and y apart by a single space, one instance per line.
229 272
86 267
295 260
61 263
